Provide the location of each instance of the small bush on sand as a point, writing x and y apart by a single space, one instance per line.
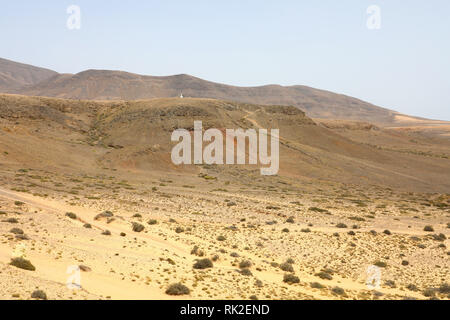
324 275
106 233
387 232
152 222
11 220
87 226
179 230
317 285
137 227
177 289
106 214
444 288
39 294
338 291
341 226
16 231
221 238
428 229
71 215
290 279
246 272
380 264
245 264
287 267
22 263
203 264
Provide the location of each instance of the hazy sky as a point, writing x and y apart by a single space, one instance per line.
326 44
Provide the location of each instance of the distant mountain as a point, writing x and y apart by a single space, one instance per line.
118 85
14 75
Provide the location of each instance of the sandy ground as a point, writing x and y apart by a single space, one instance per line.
255 227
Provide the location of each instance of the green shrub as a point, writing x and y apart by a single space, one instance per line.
39 294
338 291
22 263
324 275
203 264
291 279
316 285
245 264
380 264
177 289
287 267
71 215
137 227
16 231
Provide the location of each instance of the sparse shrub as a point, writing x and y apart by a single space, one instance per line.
351 233
177 289
137 215
105 214
137 227
390 284
290 261
203 264
439 237
338 291
196 251
287 267
444 288
22 237
412 287
291 279
179 230
246 272
307 230
387 232
253 297
39 294
221 238
324 275
316 285
285 230
16 231
380 264
22 263
123 234
430 292
245 264
290 220
87 226
19 203
341 226
315 209
152 222
11 220
106 233
428 229
71 215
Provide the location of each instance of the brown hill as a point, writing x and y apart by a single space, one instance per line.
113 85
135 135
14 75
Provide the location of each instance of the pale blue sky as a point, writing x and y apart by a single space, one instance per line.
325 44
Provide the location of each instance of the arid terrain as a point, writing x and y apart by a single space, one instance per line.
90 184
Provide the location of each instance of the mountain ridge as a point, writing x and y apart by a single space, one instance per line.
97 84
